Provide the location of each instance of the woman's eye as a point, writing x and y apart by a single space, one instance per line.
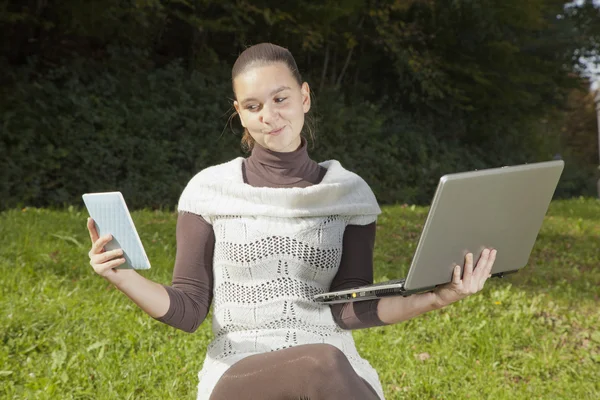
252 107
280 99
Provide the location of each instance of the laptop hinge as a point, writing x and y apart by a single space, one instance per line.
503 273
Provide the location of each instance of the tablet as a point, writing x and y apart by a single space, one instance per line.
111 215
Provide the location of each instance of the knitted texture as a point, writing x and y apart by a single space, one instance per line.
275 248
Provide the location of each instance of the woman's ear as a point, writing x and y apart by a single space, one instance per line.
305 90
237 110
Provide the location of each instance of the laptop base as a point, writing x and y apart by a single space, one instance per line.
379 290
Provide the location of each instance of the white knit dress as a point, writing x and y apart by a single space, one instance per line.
275 248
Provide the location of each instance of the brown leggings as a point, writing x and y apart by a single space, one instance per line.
310 371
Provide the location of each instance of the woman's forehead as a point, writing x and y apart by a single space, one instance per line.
263 79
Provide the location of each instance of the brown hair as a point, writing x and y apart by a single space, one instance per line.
259 55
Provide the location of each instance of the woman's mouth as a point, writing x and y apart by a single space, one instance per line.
276 131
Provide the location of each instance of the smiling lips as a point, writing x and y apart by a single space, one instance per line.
276 131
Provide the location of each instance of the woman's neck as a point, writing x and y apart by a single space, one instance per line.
268 168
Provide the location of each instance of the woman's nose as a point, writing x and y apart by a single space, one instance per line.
267 115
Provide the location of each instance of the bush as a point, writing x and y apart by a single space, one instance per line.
113 127
577 180
126 125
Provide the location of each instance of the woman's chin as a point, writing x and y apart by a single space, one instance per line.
282 144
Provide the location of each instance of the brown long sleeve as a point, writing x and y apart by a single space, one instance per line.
356 269
190 294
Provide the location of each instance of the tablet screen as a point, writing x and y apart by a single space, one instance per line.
111 215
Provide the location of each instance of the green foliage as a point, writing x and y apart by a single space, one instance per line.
66 333
580 127
147 131
578 180
437 55
113 127
400 158
132 96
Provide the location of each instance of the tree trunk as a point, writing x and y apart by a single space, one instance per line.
341 76
324 72
357 72
334 66
348 57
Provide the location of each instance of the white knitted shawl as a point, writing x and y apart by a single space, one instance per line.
220 190
275 248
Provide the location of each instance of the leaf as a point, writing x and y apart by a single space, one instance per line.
5 373
27 350
58 358
68 239
96 345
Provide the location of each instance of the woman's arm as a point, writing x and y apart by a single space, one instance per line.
149 296
392 310
185 304
356 269
191 291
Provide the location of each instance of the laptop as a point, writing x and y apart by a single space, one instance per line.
501 208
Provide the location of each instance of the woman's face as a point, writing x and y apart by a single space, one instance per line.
271 106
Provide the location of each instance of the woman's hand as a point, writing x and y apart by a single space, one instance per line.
471 282
103 261
149 296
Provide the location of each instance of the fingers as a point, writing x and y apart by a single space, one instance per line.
106 256
106 261
92 230
474 278
468 270
484 267
102 261
99 244
486 262
488 270
482 263
456 275
102 269
491 261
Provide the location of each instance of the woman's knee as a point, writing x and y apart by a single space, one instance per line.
330 375
328 364
328 358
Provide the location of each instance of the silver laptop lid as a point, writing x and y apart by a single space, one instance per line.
503 208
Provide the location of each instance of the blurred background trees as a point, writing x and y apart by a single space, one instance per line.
135 95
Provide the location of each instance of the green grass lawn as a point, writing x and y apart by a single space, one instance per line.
66 333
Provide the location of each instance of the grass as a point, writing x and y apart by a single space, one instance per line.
65 333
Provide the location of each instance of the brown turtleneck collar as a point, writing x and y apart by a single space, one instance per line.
268 168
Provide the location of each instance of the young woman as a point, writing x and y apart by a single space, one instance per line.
258 237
